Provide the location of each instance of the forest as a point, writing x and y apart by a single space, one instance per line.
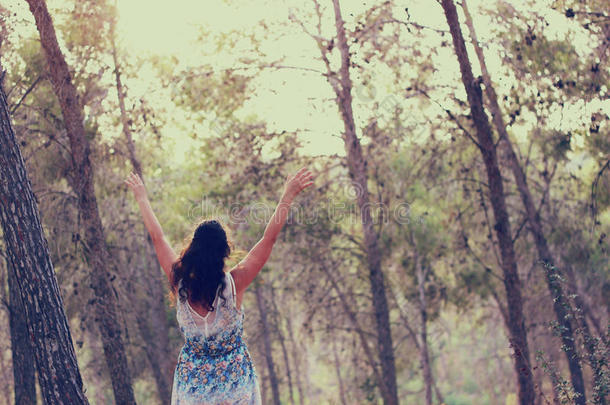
452 250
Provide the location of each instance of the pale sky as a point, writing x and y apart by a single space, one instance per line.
289 99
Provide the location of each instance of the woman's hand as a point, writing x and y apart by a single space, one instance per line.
297 183
137 186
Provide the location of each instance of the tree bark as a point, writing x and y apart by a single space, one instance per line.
81 180
560 305
157 342
357 168
273 380
30 268
24 366
512 284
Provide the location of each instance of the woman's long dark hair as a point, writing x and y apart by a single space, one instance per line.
201 265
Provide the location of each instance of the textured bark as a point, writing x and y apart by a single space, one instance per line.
81 181
24 362
552 274
157 345
33 278
357 168
512 284
273 380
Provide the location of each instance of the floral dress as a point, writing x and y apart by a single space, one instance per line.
214 365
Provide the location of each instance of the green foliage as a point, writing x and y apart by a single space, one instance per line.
207 151
596 350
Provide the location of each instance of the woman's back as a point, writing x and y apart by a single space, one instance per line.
214 366
224 316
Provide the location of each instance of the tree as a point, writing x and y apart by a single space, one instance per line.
151 319
357 169
273 378
81 181
24 363
512 284
33 278
560 304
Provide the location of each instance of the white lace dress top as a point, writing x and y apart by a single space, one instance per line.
214 365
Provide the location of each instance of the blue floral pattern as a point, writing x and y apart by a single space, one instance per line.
214 365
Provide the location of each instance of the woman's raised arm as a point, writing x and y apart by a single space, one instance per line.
245 272
165 253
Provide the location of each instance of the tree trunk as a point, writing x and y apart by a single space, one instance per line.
342 396
439 394
30 268
273 380
357 168
131 149
539 381
156 359
366 348
560 305
295 359
284 349
23 360
287 363
24 366
157 342
81 180
512 284
423 334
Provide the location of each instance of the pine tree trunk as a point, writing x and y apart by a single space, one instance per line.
357 168
560 304
33 277
273 380
24 366
157 343
512 284
81 180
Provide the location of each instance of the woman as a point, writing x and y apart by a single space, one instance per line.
214 366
